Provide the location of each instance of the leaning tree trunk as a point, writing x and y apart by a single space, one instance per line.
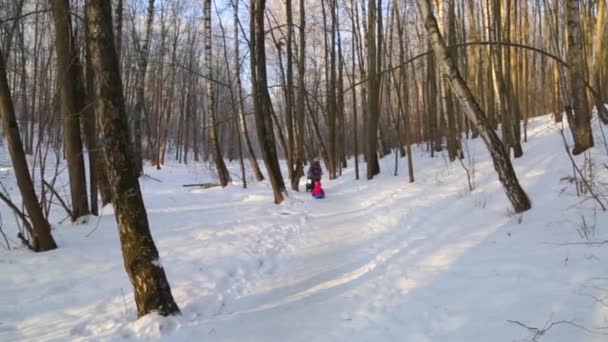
41 235
583 137
261 100
500 158
152 291
72 105
241 106
214 141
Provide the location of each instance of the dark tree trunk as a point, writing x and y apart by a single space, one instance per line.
261 100
151 288
373 102
72 104
41 234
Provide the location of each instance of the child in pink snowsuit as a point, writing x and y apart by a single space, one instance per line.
317 191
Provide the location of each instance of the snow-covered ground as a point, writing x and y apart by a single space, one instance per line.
381 260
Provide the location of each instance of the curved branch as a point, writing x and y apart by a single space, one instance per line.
484 43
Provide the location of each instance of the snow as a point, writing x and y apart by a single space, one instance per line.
383 260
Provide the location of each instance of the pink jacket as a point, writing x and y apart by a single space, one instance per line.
318 190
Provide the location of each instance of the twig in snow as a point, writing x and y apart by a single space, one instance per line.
538 333
588 243
124 300
97 224
202 185
8 245
156 179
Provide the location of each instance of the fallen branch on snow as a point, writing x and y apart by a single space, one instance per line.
202 185
538 333
148 176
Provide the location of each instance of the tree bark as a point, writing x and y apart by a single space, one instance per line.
151 288
583 137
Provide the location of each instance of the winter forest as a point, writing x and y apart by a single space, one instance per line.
304 170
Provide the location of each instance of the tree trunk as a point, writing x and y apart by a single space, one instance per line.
222 171
373 81
583 137
151 288
299 157
500 158
241 105
72 104
261 99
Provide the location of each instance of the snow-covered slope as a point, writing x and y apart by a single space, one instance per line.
383 260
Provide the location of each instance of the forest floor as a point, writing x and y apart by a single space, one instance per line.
381 260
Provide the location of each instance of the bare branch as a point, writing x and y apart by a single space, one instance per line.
61 201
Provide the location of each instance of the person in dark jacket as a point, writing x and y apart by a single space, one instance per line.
314 174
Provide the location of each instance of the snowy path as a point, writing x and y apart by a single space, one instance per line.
374 261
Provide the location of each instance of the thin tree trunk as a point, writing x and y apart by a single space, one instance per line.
222 171
142 66
72 104
373 105
234 100
300 110
241 106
